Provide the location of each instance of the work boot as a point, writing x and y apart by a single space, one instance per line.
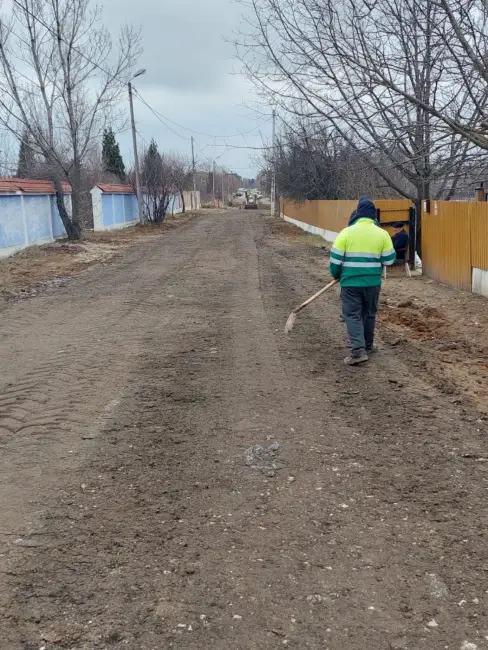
356 359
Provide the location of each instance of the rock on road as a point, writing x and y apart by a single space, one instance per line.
129 518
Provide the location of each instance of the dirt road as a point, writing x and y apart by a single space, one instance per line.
129 518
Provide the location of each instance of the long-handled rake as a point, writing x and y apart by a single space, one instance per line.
292 317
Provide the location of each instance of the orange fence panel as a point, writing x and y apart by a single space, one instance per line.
334 215
306 211
454 233
393 209
446 243
479 235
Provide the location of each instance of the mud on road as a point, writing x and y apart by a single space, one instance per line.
129 516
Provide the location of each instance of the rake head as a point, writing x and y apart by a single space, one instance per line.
290 322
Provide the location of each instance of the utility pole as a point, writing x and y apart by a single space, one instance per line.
223 197
213 185
134 143
194 172
273 170
136 156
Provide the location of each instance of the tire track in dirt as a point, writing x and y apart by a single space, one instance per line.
163 538
64 358
202 393
409 443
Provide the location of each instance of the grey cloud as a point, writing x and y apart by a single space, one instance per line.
184 40
188 78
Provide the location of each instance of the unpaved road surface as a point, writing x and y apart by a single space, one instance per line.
129 518
39 269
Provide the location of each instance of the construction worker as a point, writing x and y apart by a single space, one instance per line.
352 219
357 257
400 243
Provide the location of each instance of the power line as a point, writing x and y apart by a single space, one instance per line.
142 138
186 128
158 116
208 159
211 161
232 146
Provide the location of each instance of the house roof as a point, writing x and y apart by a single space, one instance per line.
112 188
29 186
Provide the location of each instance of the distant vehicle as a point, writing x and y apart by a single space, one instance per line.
251 203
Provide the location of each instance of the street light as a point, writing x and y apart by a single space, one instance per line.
139 73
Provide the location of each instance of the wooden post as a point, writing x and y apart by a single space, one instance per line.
480 193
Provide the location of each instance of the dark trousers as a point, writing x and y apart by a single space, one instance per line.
359 307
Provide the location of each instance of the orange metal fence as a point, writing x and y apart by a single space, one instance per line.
446 243
479 235
334 215
454 241
454 233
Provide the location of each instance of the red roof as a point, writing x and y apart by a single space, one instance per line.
29 186
112 188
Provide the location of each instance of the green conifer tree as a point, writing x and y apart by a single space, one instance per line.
111 156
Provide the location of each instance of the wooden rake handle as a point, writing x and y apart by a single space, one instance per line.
315 296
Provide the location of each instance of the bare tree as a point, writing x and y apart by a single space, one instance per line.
321 61
27 159
181 173
461 105
318 164
9 158
62 82
306 164
157 184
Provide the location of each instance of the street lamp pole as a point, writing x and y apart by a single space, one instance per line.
273 168
134 143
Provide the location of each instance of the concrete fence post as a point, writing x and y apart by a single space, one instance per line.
97 207
49 199
24 220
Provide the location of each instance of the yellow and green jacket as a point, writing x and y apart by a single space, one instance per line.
358 254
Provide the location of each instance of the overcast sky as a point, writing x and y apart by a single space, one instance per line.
190 79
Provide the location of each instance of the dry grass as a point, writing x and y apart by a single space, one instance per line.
293 234
311 240
37 265
443 331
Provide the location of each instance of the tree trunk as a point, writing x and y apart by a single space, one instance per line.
418 226
76 210
182 202
71 225
76 206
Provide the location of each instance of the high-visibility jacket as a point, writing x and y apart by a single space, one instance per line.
358 254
